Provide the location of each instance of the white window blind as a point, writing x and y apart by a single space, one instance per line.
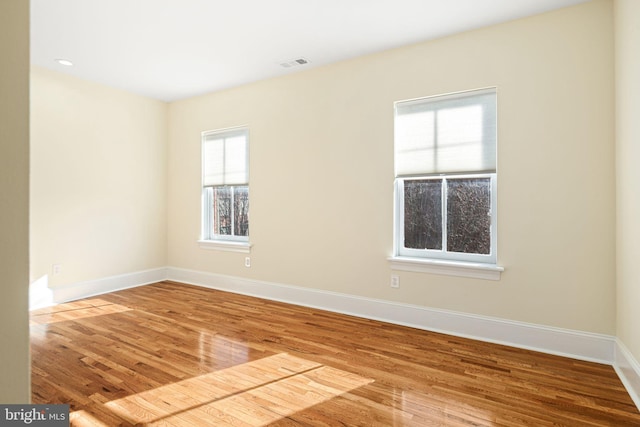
446 134
225 158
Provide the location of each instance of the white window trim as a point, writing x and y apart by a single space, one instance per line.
226 246
214 241
446 267
443 262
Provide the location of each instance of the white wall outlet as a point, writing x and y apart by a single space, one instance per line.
395 281
56 269
247 262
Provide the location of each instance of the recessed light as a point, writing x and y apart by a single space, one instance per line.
64 62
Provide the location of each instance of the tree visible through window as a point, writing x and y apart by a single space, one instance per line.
469 215
230 211
423 214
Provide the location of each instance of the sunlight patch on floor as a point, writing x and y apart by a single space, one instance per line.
254 393
75 310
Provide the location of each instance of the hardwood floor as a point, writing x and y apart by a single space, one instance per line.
178 355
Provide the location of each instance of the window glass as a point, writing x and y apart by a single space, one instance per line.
423 214
469 215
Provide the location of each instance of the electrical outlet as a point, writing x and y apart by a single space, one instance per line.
56 269
247 262
395 281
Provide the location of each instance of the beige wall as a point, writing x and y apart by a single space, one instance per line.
322 170
98 180
14 201
627 20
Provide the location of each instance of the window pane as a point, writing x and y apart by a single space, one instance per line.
469 215
222 210
423 214
241 210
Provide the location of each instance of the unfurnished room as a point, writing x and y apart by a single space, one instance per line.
320 213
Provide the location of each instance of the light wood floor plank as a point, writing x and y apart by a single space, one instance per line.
170 354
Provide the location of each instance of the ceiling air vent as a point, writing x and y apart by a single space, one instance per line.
294 62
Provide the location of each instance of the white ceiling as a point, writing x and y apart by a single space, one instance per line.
173 49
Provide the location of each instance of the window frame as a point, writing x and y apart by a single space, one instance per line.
208 215
482 266
208 238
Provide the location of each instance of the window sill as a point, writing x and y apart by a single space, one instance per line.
228 246
448 268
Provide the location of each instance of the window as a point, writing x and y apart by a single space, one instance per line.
445 165
225 185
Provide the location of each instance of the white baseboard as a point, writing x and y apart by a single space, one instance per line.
563 342
108 284
628 370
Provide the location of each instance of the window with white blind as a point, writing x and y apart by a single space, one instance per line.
445 185
225 185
